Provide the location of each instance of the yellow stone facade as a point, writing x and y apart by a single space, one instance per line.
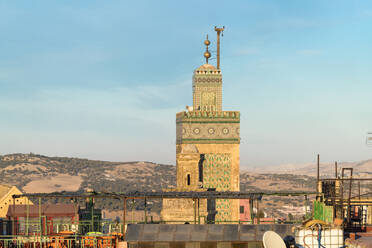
207 152
369 217
207 88
188 164
6 199
180 211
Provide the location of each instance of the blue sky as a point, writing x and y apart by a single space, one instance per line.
104 79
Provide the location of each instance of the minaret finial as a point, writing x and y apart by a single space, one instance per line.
207 54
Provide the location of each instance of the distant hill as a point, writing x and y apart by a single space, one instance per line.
360 168
37 173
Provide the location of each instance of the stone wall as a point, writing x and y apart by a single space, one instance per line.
180 211
7 200
207 89
220 171
199 127
207 149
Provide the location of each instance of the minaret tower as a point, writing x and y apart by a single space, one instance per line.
207 85
207 145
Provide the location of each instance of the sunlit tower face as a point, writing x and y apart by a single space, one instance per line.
207 88
207 145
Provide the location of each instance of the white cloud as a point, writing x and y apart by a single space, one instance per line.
146 103
113 124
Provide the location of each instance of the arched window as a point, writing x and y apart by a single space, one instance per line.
188 179
200 165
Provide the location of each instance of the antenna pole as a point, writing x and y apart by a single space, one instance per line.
336 169
219 31
317 174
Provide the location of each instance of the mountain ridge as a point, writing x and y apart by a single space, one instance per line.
360 168
33 173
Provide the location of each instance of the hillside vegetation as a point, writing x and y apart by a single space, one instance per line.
37 173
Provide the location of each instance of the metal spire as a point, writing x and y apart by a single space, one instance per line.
207 54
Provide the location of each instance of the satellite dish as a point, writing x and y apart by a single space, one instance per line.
272 240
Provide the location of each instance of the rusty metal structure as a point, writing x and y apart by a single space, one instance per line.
70 237
343 194
196 196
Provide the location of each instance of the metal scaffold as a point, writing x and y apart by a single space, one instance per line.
36 231
342 199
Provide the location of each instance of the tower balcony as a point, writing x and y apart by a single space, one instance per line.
208 115
208 127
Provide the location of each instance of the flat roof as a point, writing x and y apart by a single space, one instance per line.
49 210
170 194
203 233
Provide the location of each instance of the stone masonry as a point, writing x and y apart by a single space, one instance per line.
207 152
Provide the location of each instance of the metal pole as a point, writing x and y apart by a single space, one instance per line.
251 202
40 220
218 50
92 214
349 202
124 214
14 218
145 210
318 177
194 210
45 225
132 211
27 213
198 211
218 30
346 179
342 197
336 169
258 212
317 173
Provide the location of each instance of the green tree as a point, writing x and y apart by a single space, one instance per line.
261 214
290 217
